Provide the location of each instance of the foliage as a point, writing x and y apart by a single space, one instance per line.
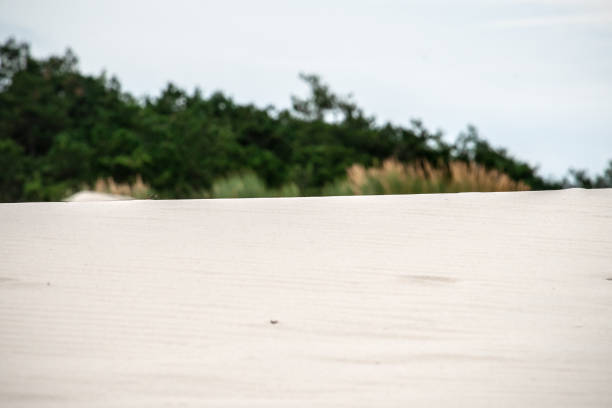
580 178
470 147
61 129
394 177
249 185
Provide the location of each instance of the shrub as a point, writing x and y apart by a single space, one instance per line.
249 185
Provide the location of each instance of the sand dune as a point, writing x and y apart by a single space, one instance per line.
96 196
461 300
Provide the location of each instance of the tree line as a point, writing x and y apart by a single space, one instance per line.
61 130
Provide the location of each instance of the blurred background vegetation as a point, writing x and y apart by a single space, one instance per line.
62 131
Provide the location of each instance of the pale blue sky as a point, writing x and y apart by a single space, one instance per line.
534 76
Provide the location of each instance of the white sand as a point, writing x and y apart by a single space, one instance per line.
95 196
464 300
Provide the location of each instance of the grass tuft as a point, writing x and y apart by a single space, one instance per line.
394 177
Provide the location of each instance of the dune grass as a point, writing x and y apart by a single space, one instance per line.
394 177
138 189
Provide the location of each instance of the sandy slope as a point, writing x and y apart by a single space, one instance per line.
96 196
460 300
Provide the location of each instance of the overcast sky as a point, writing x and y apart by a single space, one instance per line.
534 76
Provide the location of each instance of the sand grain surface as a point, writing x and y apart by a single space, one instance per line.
461 300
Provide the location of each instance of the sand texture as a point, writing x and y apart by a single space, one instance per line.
459 300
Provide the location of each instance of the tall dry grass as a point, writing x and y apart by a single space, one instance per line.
394 177
137 189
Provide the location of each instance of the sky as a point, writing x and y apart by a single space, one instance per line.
534 76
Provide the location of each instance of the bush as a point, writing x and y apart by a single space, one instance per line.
249 185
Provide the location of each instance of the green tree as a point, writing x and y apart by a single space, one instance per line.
61 129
